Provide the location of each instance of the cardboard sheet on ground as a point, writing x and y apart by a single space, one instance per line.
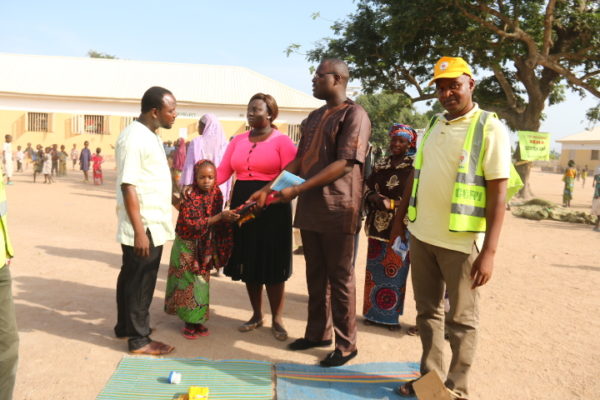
431 387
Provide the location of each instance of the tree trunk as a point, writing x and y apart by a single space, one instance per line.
523 169
529 123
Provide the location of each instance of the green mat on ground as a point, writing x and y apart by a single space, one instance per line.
147 378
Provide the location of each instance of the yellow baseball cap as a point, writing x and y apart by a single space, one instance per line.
450 67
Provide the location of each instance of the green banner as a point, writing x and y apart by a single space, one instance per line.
534 145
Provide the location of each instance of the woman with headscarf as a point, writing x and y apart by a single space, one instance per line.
569 180
178 160
209 145
385 280
596 199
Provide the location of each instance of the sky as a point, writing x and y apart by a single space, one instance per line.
235 32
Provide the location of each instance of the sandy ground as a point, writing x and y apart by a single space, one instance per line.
539 318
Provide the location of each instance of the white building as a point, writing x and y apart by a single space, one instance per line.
66 100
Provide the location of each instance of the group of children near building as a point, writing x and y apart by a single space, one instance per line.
50 161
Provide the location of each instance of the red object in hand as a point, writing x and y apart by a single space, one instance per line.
271 197
245 208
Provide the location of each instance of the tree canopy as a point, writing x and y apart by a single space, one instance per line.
99 54
525 53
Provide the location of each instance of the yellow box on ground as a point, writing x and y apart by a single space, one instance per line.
197 393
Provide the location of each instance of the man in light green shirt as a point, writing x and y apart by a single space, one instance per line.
145 220
446 255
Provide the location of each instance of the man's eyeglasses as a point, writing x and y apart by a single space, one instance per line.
319 75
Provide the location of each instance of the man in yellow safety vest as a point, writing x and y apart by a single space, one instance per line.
9 337
456 209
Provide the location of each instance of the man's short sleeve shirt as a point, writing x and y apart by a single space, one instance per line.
441 156
328 135
141 162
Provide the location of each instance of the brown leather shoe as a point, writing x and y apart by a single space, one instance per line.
154 348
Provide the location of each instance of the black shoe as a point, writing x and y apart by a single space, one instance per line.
335 358
305 344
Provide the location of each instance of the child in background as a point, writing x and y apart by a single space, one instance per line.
20 158
203 241
47 166
38 161
74 155
97 161
596 199
7 158
63 156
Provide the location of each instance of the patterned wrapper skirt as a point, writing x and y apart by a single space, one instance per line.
568 190
385 283
187 294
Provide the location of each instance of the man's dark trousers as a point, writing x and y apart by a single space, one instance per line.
135 289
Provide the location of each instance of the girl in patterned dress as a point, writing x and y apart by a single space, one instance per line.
203 241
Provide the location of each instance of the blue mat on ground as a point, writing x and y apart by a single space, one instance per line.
147 378
359 381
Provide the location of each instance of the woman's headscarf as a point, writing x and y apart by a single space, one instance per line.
210 145
409 133
197 165
179 154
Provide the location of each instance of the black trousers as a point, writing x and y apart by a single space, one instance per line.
135 289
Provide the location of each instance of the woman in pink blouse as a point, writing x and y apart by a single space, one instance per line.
262 246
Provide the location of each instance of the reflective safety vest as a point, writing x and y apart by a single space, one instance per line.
6 249
467 212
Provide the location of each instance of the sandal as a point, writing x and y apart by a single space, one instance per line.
279 332
190 333
406 389
154 349
250 326
194 332
412 331
201 330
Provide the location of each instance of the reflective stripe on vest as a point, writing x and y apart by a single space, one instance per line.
467 212
412 202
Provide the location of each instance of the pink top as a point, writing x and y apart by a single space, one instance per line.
261 161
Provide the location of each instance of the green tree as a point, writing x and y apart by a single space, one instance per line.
99 54
525 53
385 109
